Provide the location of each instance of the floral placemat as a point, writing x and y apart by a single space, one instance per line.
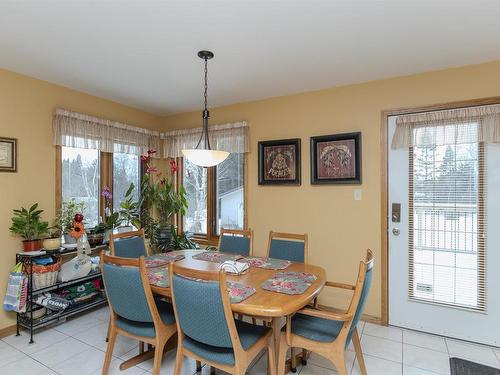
158 276
238 291
216 256
162 259
289 282
299 276
268 263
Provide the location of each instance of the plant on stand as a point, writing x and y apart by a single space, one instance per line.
66 215
160 194
129 211
53 241
28 224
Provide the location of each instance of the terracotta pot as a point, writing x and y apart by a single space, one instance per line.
51 243
32 245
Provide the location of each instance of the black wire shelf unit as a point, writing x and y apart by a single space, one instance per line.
26 319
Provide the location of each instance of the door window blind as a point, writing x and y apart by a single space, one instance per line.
447 216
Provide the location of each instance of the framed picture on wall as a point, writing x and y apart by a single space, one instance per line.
8 154
336 159
279 162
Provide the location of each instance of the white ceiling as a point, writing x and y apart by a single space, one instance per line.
143 53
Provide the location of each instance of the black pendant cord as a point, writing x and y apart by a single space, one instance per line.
206 113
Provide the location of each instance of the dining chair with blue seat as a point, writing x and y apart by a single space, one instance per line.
328 333
207 330
287 246
236 241
128 244
134 312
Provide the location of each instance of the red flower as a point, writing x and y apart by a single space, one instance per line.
173 166
151 152
145 158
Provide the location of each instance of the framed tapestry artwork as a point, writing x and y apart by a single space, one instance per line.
8 154
336 159
279 162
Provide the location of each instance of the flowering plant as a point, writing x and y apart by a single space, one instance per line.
159 192
111 219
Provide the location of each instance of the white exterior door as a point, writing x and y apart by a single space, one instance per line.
436 280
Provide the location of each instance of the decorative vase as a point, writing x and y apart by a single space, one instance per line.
32 245
51 243
95 239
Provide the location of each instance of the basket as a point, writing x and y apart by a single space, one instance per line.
45 276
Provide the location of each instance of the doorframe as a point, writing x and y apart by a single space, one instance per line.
384 229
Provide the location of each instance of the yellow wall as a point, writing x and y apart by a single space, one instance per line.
26 108
339 228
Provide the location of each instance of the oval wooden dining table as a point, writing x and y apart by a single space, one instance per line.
262 304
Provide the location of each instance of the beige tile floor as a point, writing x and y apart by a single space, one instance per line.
78 346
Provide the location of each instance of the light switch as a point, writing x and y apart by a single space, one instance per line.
357 194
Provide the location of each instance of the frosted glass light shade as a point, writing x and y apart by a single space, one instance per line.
205 158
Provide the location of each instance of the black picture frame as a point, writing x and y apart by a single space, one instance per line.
266 147
318 173
8 151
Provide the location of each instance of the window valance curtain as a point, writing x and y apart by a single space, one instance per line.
461 125
73 129
231 137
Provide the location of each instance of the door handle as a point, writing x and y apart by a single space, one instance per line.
395 231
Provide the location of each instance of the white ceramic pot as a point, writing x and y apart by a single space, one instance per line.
51 243
124 229
68 239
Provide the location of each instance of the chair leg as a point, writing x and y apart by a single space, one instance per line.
107 334
158 357
271 357
198 366
109 350
359 353
304 357
179 359
293 360
338 360
283 348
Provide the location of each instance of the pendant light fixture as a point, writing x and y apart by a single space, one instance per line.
203 155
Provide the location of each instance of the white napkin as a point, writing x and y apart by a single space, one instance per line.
231 266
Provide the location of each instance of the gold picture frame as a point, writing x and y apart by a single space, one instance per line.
8 154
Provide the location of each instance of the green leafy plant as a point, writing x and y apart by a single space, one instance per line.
28 223
160 193
181 241
67 214
129 208
55 230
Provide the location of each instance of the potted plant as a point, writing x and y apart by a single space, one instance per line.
129 211
160 193
95 235
29 225
111 219
66 215
53 242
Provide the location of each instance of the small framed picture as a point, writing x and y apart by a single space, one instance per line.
336 159
279 162
8 154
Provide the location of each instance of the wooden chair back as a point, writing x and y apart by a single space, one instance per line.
236 241
285 246
128 245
